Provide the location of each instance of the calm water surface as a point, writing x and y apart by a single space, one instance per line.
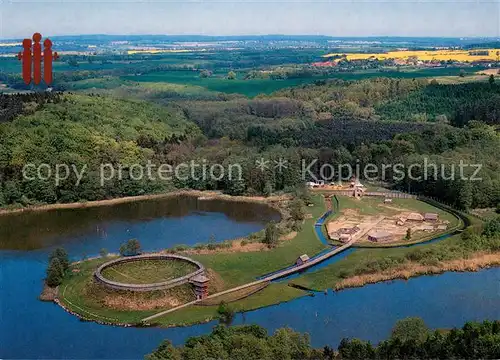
32 329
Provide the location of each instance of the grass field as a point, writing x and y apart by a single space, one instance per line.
273 294
374 206
427 55
148 271
220 83
188 83
255 87
239 268
118 87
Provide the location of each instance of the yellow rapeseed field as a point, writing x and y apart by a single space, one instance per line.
427 55
157 51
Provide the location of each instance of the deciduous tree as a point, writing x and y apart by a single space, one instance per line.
272 234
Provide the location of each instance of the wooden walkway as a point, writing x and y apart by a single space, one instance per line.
285 272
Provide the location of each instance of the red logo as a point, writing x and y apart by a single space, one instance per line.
32 57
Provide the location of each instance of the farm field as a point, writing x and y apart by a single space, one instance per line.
427 55
254 87
128 76
219 83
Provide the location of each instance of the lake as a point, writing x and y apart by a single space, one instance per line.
30 328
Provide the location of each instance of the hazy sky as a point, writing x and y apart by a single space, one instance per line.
20 18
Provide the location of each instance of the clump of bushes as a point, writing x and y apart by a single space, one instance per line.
297 210
256 237
199 246
130 248
225 313
212 245
376 265
226 244
297 226
180 248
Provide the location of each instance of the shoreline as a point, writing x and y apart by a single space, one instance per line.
202 194
475 263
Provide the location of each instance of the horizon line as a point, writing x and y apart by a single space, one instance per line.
283 35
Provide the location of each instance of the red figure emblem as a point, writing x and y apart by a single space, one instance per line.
25 56
34 59
48 57
37 58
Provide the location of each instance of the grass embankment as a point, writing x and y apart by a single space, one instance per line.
75 293
148 271
78 291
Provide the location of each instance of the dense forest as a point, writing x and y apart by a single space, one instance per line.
377 121
410 339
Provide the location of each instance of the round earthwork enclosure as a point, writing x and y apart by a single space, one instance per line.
148 272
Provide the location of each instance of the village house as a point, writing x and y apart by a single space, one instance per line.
345 238
430 217
344 234
380 236
427 228
400 221
415 217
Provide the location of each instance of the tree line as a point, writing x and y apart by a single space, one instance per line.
294 126
410 339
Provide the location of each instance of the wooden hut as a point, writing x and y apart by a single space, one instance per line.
345 238
431 217
380 236
415 217
302 259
